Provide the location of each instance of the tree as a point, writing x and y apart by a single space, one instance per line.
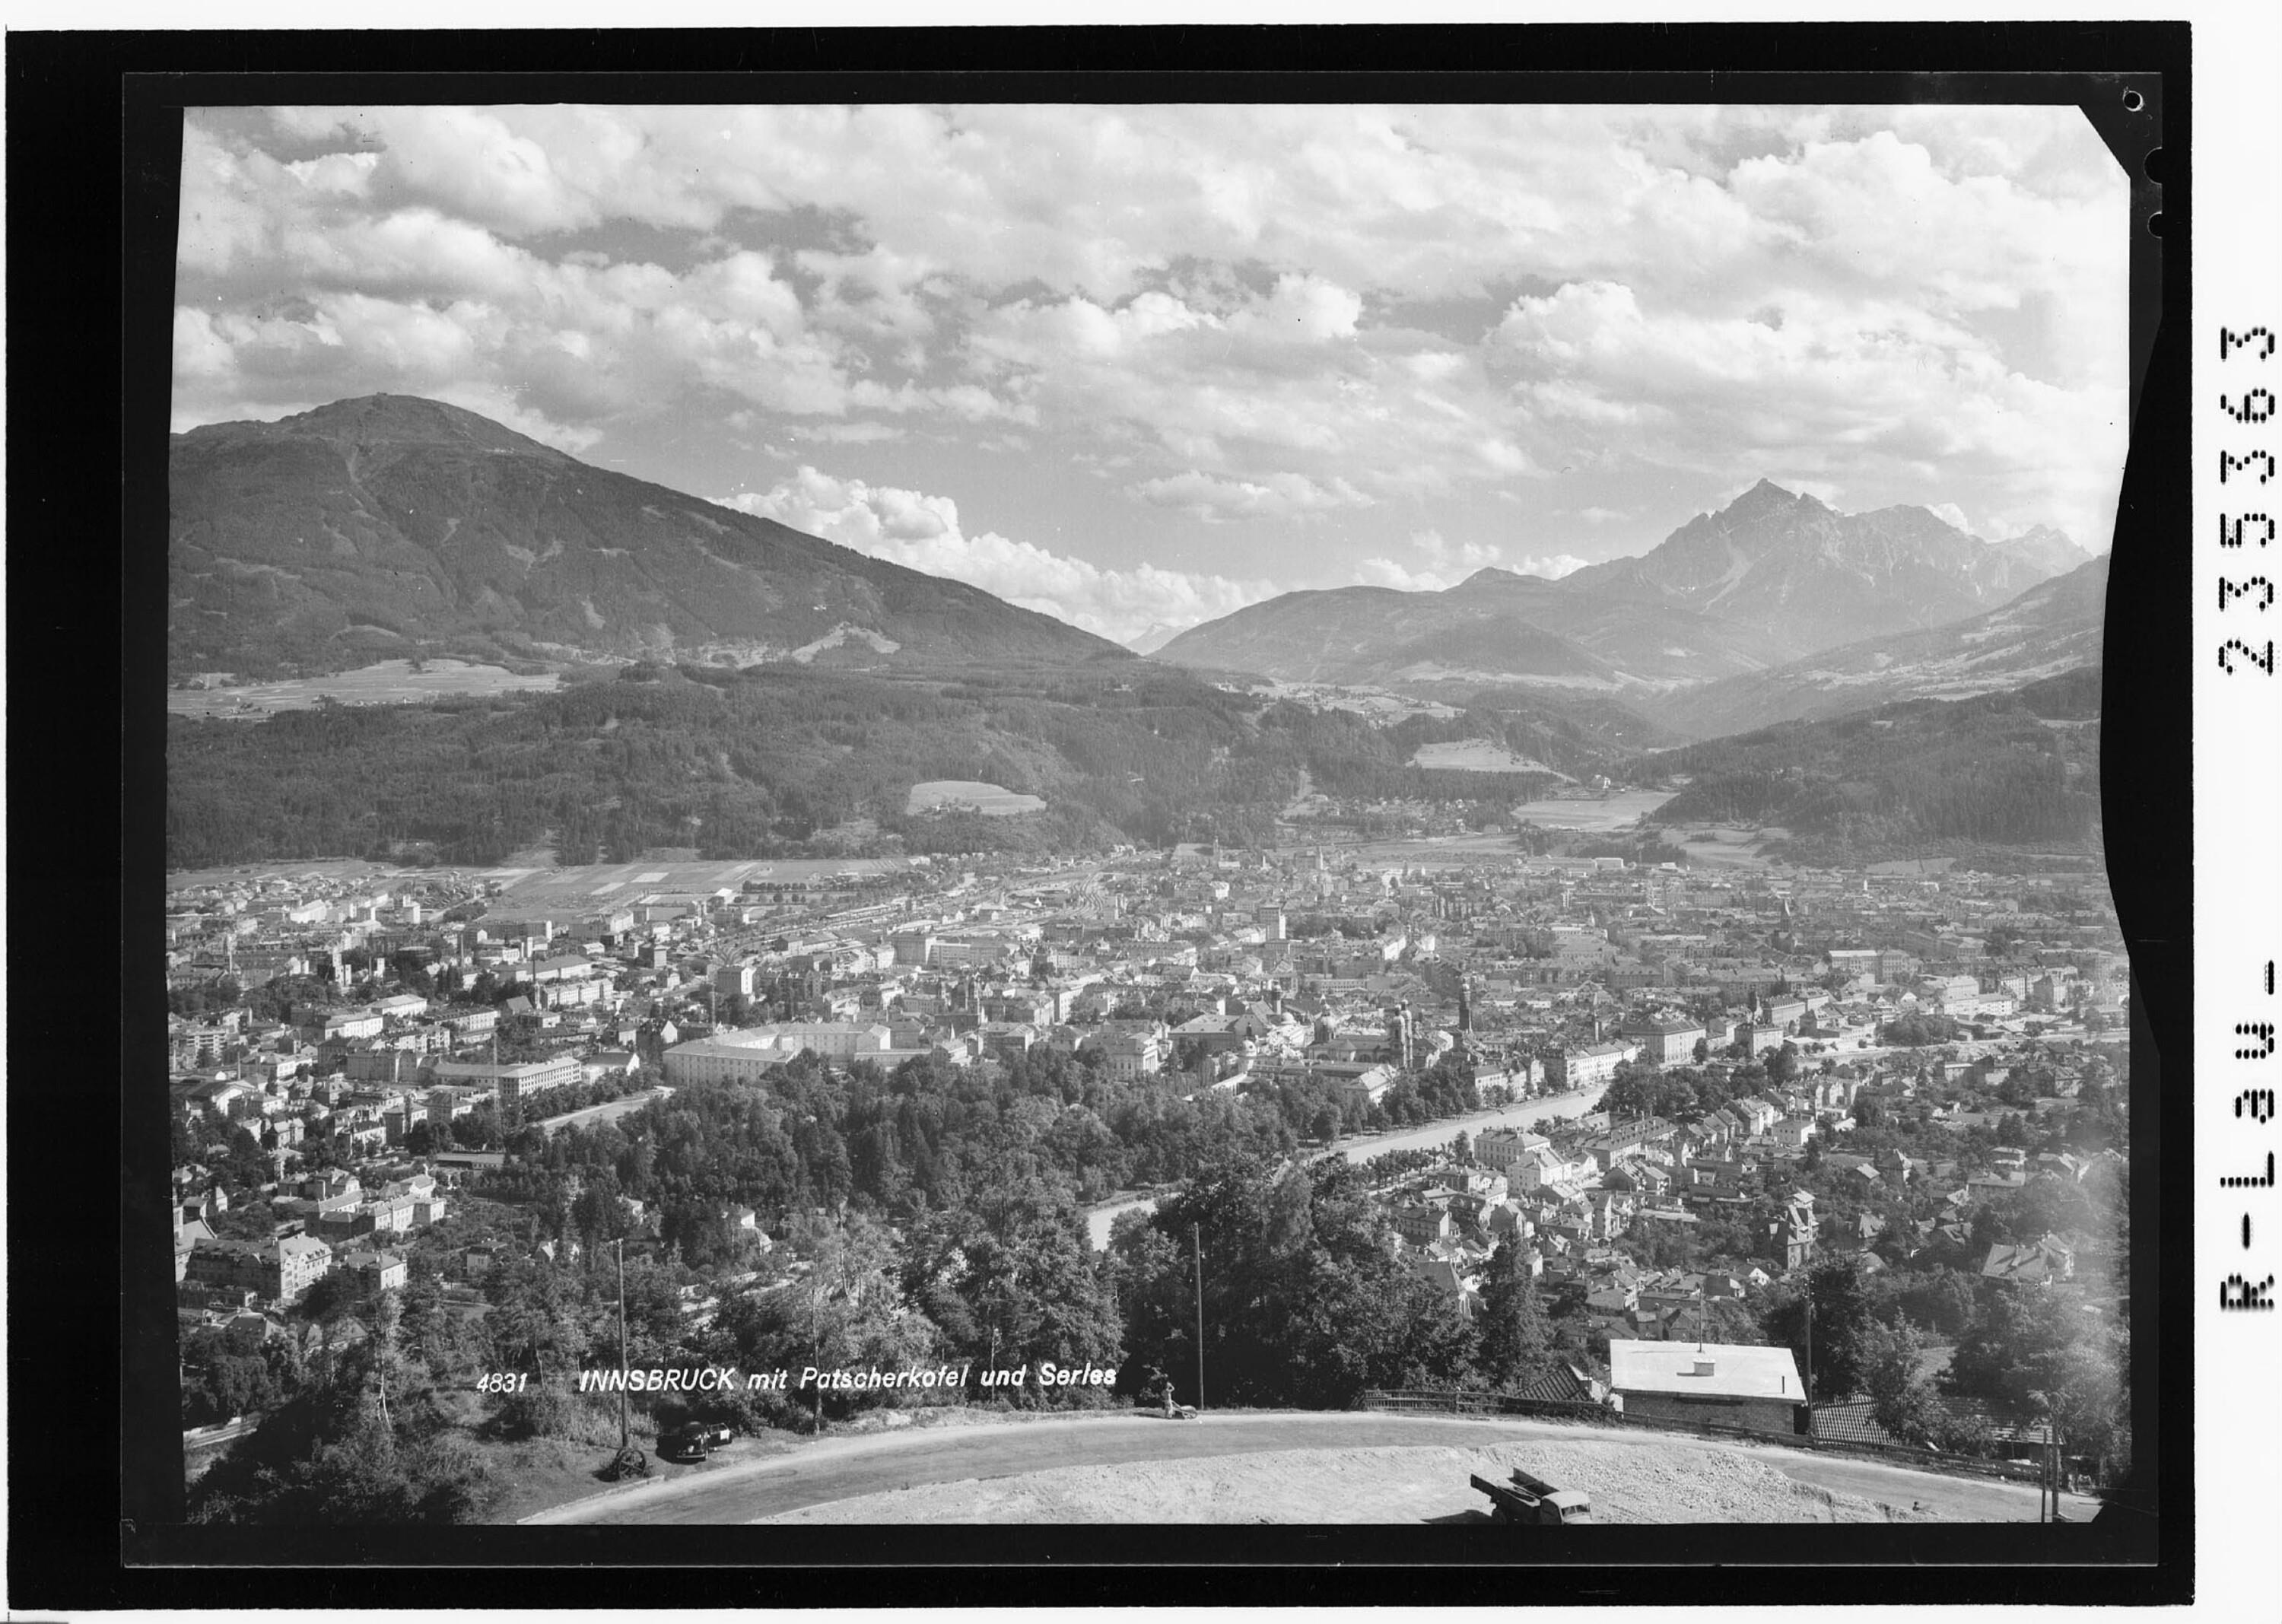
847 1313
1841 1326
1014 1278
1516 1333
2043 1206
1302 1303
1462 1148
1902 1401
2033 1349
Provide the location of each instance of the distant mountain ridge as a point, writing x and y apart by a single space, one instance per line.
390 523
1774 576
2054 626
1155 638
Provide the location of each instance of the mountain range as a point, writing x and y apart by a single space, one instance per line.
1773 579
390 524
2056 626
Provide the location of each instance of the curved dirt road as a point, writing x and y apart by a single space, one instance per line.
841 1468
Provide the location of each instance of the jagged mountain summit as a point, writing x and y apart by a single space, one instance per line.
2044 549
388 524
1772 577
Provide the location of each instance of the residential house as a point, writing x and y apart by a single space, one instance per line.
1793 1231
2041 1264
1716 1384
1422 1224
1503 1148
376 1272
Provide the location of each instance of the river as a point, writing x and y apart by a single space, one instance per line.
1561 1107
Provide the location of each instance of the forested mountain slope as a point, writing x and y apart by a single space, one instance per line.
391 525
2001 768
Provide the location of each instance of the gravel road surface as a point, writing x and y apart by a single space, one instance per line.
840 1468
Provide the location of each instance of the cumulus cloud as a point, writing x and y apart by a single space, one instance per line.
1435 564
1383 571
923 533
1463 558
1278 496
1890 402
1551 567
1256 316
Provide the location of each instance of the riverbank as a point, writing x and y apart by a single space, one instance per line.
1362 1147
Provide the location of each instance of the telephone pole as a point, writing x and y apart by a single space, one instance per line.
2048 1495
1810 1358
1196 1242
2055 1473
625 1440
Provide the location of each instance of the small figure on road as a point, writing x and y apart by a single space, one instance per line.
1157 1388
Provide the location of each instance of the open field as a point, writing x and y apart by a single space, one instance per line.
1716 845
1915 867
596 887
1478 756
352 869
588 887
1256 1466
391 682
1378 703
1440 850
991 800
1614 811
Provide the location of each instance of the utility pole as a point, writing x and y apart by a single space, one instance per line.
1196 1242
625 1440
1810 1358
2046 1500
2059 1471
2052 1472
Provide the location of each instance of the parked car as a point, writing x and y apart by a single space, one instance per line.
695 1441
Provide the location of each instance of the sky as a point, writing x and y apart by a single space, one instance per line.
1139 367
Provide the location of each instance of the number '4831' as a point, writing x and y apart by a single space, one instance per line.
503 1382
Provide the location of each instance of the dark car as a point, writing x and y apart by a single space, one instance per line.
694 1441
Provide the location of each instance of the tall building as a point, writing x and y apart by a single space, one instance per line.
513 1083
743 1056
